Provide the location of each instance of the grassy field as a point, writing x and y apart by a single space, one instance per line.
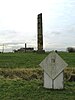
33 90
30 60
21 60
22 79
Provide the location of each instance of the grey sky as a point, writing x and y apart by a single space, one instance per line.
18 23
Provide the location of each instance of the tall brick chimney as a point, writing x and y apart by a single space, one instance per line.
39 33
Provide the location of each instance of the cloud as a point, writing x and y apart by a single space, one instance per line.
71 29
13 39
18 22
56 33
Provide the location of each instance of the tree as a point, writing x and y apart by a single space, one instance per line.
71 49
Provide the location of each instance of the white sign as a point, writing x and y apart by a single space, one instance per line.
53 66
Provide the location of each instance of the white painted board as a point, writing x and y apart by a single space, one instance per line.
53 64
47 81
57 83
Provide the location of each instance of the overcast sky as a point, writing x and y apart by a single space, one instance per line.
18 23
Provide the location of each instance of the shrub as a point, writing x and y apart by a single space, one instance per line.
71 49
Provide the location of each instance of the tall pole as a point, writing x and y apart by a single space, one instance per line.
25 47
3 48
39 32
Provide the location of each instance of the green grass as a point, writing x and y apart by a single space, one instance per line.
34 90
21 60
30 60
69 58
14 84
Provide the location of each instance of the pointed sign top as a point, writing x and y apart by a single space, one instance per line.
53 65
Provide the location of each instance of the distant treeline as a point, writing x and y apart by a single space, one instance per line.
71 49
